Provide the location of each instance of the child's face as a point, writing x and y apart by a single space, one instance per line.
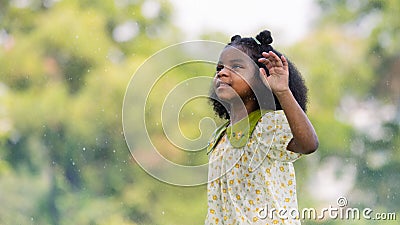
235 74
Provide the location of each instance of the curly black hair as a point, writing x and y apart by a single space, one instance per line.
254 49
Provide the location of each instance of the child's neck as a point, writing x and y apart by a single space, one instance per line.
240 110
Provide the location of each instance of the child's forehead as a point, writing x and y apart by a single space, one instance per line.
232 54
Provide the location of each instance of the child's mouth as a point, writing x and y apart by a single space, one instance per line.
222 84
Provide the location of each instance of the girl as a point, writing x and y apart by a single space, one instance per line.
263 97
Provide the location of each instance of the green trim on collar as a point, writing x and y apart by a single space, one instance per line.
238 133
216 136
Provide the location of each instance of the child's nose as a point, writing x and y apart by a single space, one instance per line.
224 72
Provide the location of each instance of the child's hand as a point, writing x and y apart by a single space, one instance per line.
278 69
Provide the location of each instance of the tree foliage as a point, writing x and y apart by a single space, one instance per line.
354 83
63 159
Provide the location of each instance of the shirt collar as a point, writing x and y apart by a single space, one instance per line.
238 133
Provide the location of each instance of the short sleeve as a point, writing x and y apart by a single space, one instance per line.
274 134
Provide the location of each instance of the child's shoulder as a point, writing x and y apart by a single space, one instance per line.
271 122
276 116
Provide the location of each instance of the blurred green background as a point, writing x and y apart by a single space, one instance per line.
64 68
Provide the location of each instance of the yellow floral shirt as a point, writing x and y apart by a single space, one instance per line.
248 181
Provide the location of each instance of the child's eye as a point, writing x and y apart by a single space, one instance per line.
219 67
237 67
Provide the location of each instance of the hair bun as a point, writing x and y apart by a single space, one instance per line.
236 38
264 37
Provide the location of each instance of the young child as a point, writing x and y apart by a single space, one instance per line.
263 97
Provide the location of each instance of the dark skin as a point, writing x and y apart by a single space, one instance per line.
305 139
232 85
234 74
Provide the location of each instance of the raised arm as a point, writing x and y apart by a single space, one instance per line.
305 139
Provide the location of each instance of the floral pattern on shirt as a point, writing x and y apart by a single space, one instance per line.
245 181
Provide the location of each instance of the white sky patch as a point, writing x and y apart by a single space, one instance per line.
362 115
150 9
126 31
334 178
288 20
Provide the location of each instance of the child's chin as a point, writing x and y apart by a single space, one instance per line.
227 98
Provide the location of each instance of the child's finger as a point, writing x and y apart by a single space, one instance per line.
284 62
262 60
262 72
265 57
270 59
265 54
275 58
266 62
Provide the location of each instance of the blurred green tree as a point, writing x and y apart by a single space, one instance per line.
354 86
64 69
